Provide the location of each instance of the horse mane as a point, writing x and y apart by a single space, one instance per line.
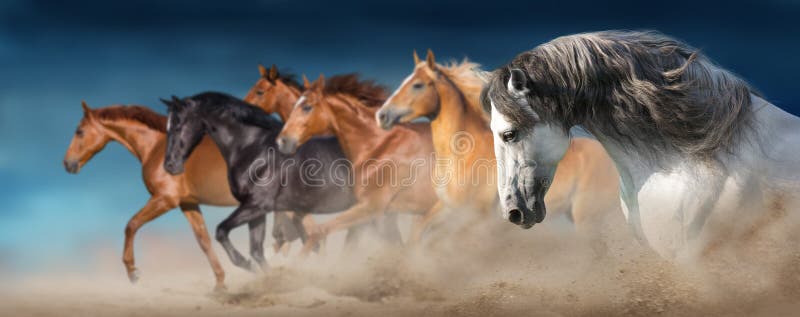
290 79
141 114
643 87
467 81
239 109
370 93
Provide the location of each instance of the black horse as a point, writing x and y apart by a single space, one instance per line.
315 180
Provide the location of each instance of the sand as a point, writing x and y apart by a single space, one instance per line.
492 269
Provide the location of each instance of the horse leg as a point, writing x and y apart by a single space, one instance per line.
155 207
421 223
305 224
353 236
195 218
278 231
390 231
258 231
359 213
243 214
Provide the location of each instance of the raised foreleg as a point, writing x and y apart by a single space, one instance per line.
156 206
357 214
421 223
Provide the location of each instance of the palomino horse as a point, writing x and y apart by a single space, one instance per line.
315 180
703 159
276 92
143 133
391 169
585 185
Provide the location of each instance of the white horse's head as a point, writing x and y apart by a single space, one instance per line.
526 156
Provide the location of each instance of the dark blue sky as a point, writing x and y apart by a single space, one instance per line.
53 54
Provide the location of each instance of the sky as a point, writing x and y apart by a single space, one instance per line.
55 54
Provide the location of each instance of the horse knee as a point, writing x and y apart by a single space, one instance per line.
221 234
131 228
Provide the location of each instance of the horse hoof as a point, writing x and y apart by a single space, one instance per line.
220 288
133 276
249 266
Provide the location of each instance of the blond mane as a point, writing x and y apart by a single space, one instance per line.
464 77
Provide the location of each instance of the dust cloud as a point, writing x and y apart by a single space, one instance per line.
463 268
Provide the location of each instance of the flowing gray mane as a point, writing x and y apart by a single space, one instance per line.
642 87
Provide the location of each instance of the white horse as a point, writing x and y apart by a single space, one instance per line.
703 159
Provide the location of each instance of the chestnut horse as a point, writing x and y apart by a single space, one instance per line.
585 186
276 92
345 107
143 133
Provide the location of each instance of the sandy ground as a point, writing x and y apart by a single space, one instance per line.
489 270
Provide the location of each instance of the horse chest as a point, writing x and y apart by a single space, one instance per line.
669 210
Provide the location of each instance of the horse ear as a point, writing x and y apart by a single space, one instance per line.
306 84
431 60
87 112
517 82
166 102
273 73
262 71
320 83
416 58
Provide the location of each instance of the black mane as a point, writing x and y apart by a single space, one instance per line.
239 109
643 87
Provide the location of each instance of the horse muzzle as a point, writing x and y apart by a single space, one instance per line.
173 168
286 145
388 117
72 167
526 214
527 217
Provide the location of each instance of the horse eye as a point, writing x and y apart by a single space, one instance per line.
306 108
260 92
509 136
418 86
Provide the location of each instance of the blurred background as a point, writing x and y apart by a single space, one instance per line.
55 54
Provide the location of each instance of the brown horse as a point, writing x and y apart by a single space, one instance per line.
276 92
143 133
391 169
585 186
199 185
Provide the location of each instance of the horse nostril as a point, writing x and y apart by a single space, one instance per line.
71 166
381 116
515 216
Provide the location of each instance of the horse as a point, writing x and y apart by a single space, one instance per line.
392 169
585 185
263 180
143 133
276 92
704 160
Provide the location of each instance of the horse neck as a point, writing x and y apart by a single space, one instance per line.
286 102
770 145
139 139
231 136
455 116
764 150
354 126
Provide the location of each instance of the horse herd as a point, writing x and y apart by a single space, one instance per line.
675 144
